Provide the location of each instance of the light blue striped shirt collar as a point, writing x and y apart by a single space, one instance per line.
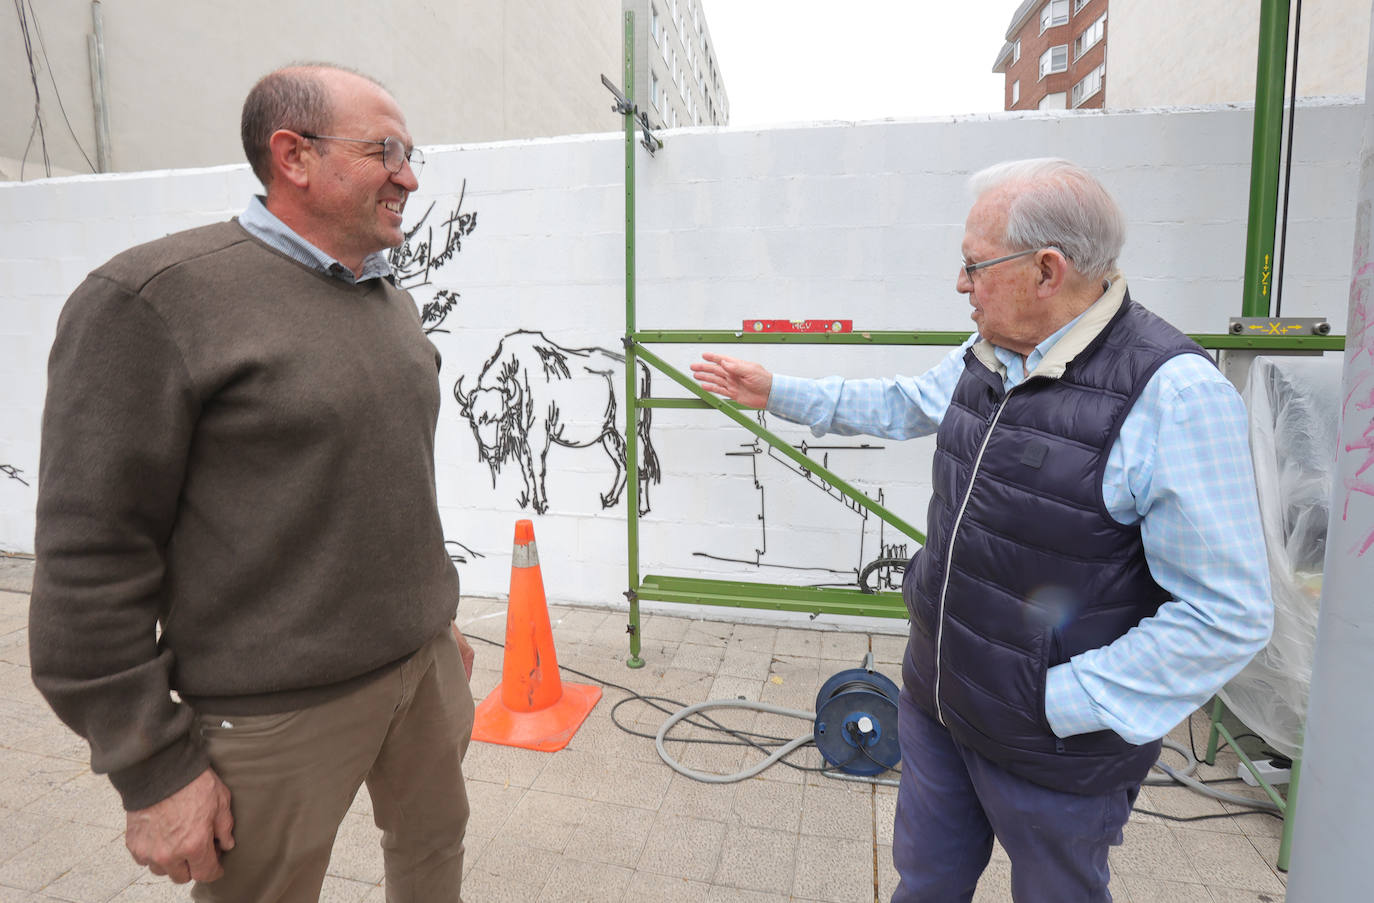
1017 367
264 225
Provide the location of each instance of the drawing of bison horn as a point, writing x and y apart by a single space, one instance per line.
464 401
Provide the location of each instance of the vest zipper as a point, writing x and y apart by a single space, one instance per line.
949 551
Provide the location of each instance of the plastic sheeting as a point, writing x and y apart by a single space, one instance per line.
1294 405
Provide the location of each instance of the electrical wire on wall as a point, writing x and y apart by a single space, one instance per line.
29 17
37 127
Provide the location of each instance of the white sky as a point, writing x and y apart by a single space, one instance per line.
806 60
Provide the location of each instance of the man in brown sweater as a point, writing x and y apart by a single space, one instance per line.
242 598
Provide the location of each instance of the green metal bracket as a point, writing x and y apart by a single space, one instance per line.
747 594
872 337
1287 805
631 384
882 337
833 600
1271 342
1265 153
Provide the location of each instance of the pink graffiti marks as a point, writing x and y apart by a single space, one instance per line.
1359 349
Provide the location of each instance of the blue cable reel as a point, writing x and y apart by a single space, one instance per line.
856 721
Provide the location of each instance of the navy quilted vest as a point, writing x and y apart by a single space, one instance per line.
1023 567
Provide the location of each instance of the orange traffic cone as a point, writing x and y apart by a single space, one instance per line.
531 707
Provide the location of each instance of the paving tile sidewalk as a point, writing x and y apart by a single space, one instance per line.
605 820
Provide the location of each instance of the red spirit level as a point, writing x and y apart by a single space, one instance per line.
798 325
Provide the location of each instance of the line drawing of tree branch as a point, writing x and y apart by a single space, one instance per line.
428 247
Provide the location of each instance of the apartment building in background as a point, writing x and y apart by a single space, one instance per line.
1055 55
1171 53
677 77
172 75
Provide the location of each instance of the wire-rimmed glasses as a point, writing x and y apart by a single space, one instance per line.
971 268
394 153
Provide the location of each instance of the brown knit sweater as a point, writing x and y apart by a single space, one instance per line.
241 451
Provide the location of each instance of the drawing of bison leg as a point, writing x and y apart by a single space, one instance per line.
649 470
648 458
615 450
534 495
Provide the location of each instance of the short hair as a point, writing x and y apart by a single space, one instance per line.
1056 203
294 97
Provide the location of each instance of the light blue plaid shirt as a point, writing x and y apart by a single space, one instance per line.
263 225
1181 468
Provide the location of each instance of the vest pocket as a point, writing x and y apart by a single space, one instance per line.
996 688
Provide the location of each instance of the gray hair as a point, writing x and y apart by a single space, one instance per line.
1058 204
294 97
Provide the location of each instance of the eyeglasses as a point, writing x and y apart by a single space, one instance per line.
970 268
394 153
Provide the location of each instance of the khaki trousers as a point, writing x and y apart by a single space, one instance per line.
292 777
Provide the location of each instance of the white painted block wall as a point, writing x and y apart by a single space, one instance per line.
860 221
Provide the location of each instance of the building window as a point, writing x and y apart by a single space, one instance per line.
1056 12
1079 4
1090 85
1090 36
654 28
1056 59
653 89
1015 92
1052 101
1016 51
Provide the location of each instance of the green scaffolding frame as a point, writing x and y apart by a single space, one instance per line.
832 600
1255 303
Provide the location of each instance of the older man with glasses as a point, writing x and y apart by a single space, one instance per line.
242 599
1094 567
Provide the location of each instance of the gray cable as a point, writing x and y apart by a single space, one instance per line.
749 772
707 776
1171 775
1185 778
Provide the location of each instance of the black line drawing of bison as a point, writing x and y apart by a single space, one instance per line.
533 394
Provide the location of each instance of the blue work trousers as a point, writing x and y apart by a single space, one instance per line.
951 803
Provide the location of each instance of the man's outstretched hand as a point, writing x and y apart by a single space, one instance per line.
742 381
182 836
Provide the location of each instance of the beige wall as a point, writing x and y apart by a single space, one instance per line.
177 71
1182 52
